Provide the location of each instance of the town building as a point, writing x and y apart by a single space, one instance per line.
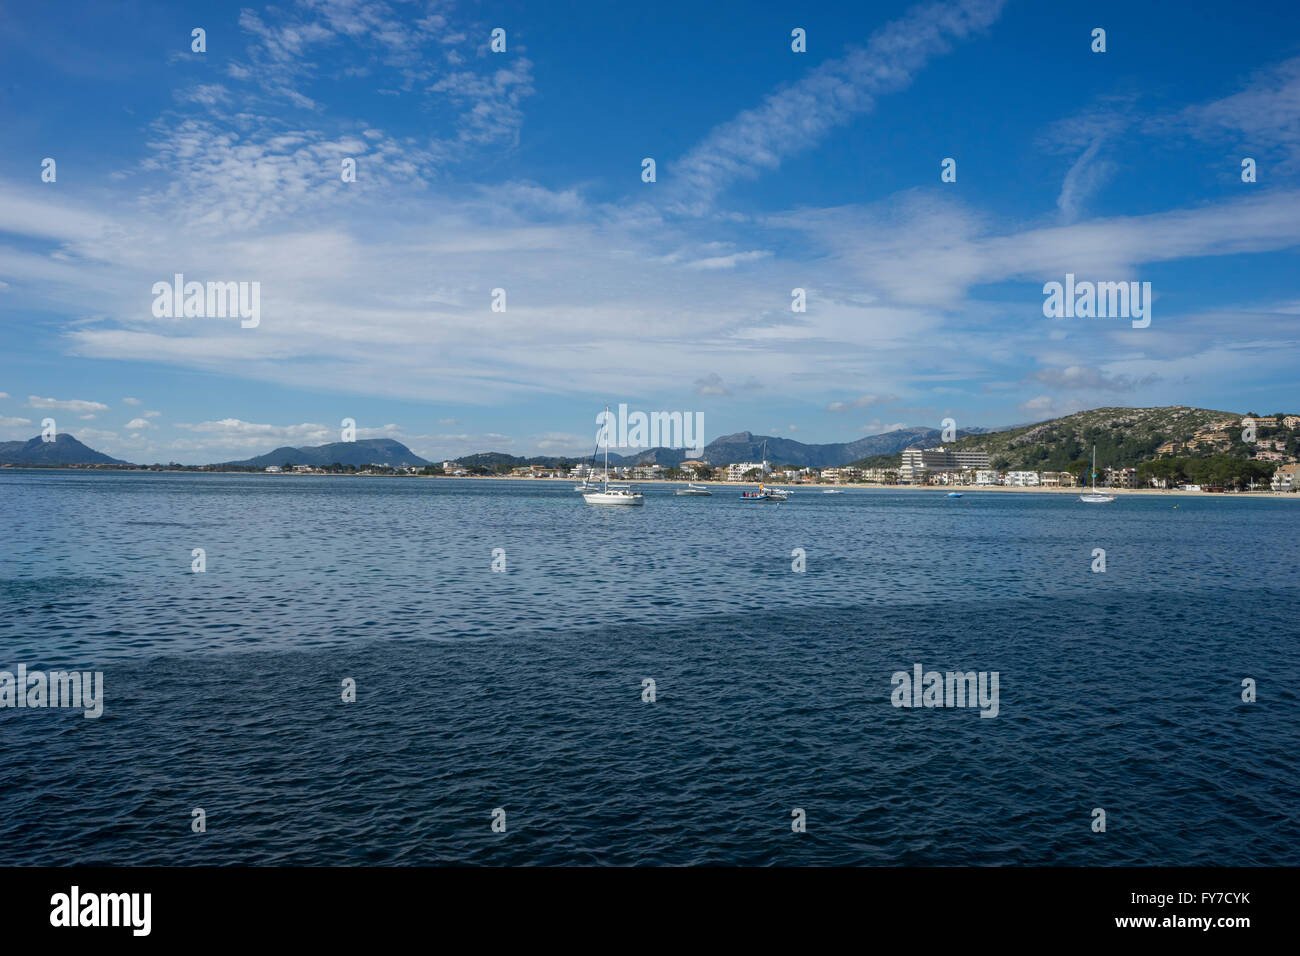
1286 478
737 470
919 463
1121 477
1259 421
1021 479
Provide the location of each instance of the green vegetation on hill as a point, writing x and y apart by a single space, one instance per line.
1131 438
1124 437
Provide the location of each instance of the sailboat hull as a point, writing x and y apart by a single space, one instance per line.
612 498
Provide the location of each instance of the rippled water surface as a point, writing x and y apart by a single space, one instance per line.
522 690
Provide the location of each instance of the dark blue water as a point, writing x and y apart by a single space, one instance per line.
522 690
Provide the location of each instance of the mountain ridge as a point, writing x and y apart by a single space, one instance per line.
1123 435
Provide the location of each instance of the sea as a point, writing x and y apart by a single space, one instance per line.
702 680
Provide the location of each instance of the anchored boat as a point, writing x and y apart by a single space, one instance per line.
693 489
611 494
1093 497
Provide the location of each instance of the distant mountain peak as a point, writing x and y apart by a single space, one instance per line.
359 453
64 450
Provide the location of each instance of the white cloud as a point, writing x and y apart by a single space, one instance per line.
67 405
863 401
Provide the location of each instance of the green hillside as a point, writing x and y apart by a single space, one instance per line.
1125 438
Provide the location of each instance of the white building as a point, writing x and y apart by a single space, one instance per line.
985 476
918 463
737 471
1022 479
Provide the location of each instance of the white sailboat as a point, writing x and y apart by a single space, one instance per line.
1094 497
616 494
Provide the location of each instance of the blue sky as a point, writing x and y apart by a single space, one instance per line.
522 170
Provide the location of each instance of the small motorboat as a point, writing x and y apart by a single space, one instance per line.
764 494
953 494
693 489
833 491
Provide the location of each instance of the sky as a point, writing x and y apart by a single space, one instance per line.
522 170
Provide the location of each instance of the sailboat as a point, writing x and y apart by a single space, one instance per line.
617 494
1094 497
764 493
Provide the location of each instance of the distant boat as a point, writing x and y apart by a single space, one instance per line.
833 491
693 489
611 494
1093 497
954 494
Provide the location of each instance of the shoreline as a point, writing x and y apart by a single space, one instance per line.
797 488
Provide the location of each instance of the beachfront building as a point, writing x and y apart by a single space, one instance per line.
838 475
1056 479
694 467
920 463
987 476
647 472
1286 478
1121 477
883 476
1021 479
737 470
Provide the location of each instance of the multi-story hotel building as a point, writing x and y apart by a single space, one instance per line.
919 462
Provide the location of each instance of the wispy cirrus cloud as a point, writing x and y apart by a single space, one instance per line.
1081 377
1264 116
862 401
796 117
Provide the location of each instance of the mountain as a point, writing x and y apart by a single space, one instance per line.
742 446
362 452
64 450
